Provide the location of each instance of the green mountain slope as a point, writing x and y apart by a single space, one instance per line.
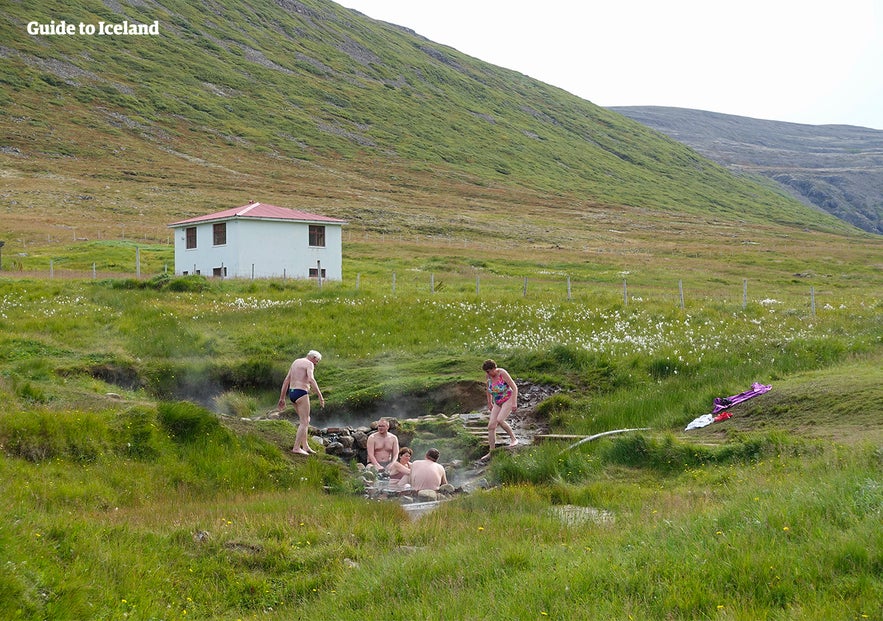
311 105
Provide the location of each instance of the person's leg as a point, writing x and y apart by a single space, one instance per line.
492 428
492 431
302 407
505 411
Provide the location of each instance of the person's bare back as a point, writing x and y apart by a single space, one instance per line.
301 374
427 473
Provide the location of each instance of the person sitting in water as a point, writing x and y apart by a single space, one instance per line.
400 470
427 473
383 447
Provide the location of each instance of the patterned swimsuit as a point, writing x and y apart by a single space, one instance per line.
499 389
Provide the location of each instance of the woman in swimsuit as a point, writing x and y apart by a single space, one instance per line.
502 399
400 470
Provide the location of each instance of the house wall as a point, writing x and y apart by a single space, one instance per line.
262 249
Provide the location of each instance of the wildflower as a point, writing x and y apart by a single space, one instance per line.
480 528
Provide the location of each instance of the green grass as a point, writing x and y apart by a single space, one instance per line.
149 506
783 538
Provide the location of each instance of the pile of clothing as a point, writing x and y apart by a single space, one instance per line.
721 404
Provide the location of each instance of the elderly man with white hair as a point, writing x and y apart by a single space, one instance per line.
297 387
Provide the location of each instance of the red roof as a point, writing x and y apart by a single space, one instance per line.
260 211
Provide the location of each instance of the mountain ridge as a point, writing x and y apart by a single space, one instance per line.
835 168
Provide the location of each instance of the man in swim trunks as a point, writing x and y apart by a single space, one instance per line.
383 447
296 387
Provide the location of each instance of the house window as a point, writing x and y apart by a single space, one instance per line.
219 272
219 233
317 235
190 231
314 273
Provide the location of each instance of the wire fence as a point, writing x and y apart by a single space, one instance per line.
629 289
805 293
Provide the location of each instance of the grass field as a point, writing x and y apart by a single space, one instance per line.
146 506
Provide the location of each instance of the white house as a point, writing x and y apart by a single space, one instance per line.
259 241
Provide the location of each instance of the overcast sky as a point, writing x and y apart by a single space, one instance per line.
783 60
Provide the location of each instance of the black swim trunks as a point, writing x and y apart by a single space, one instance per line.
296 393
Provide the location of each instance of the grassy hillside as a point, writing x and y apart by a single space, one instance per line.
308 105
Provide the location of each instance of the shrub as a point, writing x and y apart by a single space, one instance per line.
543 465
667 454
42 436
33 437
29 392
159 281
195 283
254 373
187 422
236 404
556 409
639 451
122 283
663 368
136 431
